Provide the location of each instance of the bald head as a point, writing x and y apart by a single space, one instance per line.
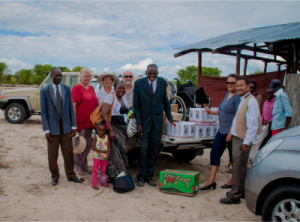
127 77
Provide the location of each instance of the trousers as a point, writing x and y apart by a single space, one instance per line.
240 161
150 143
65 142
96 164
217 149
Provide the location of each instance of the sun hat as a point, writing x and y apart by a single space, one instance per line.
79 143
275 84
101 78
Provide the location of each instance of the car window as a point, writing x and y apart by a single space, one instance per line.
94 84
73 81
49 81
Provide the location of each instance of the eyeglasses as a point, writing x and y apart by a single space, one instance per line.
231 83
251 87
127 76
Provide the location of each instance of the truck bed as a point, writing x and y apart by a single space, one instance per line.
166 139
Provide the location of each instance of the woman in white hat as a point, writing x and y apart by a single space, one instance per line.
84 102
106 81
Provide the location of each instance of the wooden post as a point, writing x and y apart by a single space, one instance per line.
278 67
296 58
199 66
238 62
265 68
200 63
245 66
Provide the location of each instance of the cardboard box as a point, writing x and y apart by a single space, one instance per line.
174 108
176 116
179 182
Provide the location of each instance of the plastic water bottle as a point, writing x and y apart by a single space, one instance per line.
130 113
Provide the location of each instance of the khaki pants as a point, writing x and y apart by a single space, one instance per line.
240 161
65 141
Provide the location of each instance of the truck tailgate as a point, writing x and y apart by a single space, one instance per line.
174 140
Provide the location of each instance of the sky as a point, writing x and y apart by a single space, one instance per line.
114 36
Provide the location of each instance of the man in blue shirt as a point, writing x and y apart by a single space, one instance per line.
282 110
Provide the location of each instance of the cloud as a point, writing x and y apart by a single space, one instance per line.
93 69
139 68
15 64
106 69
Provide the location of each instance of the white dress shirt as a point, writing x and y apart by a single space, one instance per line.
251 120
54 89
154 84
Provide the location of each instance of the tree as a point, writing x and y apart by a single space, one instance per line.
39 73
191 73
24 76
13 80
64 69
3 70
77 68
6 78
257 72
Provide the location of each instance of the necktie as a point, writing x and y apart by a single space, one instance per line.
151 88
58 101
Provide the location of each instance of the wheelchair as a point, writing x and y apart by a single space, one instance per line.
188 96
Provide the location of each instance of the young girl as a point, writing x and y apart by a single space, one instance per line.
101 147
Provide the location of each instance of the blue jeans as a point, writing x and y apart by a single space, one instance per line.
217 149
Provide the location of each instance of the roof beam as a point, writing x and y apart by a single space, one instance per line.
191 50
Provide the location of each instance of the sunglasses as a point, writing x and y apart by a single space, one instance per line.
231 83
127 76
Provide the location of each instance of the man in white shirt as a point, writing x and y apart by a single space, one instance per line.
246 124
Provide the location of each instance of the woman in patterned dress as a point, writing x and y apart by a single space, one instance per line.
226 112
118 159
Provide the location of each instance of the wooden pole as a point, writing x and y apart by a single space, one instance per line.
296 58
199 66
254 53
238 62
265 68
200 63
278 67
245 66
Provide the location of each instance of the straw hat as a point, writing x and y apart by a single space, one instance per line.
101 78
79 143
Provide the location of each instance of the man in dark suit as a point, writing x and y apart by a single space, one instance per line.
149 101
59 125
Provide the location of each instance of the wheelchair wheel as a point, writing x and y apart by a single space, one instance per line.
181 106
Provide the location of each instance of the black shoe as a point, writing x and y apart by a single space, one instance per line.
242 197
213 185
229 200
76 180
54 182
225 186
151 182
140 183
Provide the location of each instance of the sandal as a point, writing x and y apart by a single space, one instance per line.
88 171
80 173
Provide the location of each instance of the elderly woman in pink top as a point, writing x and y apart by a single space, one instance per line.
266 116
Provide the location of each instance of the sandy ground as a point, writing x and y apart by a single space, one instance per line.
26 193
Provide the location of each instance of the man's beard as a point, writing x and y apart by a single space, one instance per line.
128 83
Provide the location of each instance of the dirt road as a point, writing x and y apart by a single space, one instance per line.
26 193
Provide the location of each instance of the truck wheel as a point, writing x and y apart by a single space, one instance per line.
283 204
184 156
15 113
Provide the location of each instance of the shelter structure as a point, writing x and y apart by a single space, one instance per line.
278 41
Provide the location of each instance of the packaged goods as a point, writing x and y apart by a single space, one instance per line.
206 130
176 116
199 130
199 115
179 182
214 127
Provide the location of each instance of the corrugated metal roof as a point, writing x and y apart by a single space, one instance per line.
254 35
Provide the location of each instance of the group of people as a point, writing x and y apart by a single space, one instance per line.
240 121
66 111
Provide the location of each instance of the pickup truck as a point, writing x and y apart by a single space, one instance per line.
20 104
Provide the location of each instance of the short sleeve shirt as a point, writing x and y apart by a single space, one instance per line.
116 109
101 94
86 103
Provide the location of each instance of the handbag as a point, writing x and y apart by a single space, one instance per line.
124 184
96 115
131 127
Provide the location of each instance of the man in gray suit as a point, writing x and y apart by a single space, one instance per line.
59 125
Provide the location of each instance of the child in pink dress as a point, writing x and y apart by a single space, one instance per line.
101 147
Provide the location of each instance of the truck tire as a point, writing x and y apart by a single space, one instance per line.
15 113
184 156
282 204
